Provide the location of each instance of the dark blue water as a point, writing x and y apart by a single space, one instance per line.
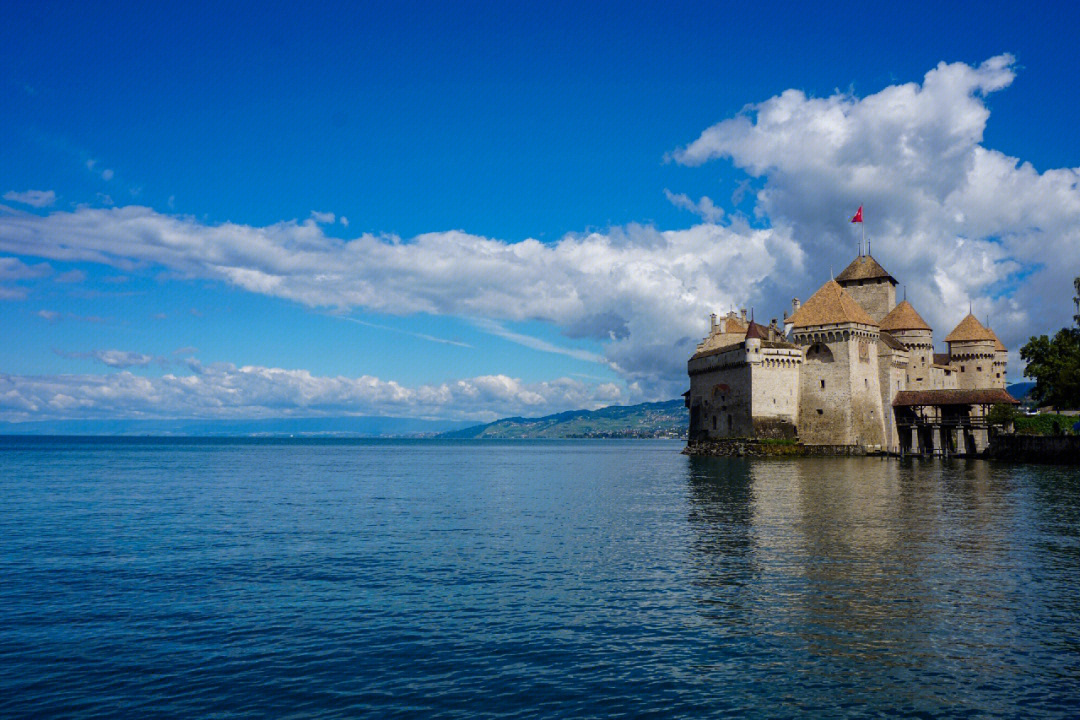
527 579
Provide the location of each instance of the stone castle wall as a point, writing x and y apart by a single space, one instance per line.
877 296
839 392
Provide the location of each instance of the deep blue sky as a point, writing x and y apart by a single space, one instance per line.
504 120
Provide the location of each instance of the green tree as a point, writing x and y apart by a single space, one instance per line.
1055 364
1002 415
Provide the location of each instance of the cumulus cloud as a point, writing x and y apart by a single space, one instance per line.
643 293
323 218
954 220
107 174
33 198
222 390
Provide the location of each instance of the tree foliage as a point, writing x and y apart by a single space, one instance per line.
1055 364
1002 415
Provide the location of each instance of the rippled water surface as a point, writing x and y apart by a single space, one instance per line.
566 578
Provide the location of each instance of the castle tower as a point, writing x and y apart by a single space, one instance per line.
1001 360
907 326
971 354
839 390
869 285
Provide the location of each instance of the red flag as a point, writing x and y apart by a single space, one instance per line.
858 215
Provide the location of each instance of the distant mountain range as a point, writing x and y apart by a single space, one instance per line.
668 419
1020 390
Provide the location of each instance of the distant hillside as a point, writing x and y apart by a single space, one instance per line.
667 419
1020 390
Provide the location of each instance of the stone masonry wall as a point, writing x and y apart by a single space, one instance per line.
877 296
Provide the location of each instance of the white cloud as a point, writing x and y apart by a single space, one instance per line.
107 174
323 218
115 358
955 221
15 269
33 198
641 292
223 390
703 208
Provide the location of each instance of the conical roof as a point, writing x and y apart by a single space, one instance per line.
998 345
830 305
756 331
864 267
903 317
970 330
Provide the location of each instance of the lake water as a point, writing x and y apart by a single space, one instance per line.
606 579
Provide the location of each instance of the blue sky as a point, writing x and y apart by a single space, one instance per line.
467 210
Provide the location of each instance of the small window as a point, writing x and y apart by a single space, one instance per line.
820 411
961 368
978 368
866 382
822 384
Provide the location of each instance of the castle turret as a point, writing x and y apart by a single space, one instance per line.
971 354
907 326
840 399
1001 360
869 285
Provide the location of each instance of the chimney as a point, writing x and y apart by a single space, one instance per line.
795 304
742 315
712 323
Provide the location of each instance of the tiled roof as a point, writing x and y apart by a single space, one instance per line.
708 350
903 317
863 267
969 330
998 345
987 396
734 326
756 331
830 305
892 342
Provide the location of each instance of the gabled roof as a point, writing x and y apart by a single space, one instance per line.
830 305
986 396
864 267
998 345
903 317
970 330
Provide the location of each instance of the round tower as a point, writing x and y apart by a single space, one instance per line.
907 326
972 354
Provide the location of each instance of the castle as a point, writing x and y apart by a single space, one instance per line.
850 367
